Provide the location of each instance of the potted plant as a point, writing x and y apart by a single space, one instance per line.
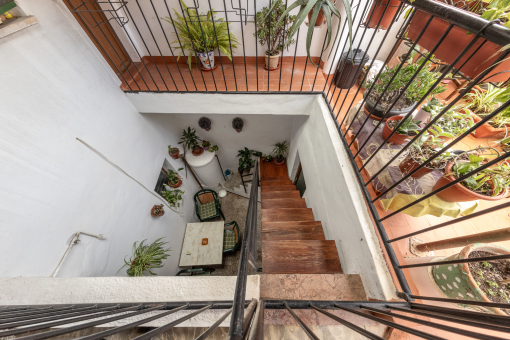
420 151
237 124
458 38
201 34
173 197
279 152
477 281
402 135
190 139
490 184
245 161
206 144
273 33
483 102
451 124
205 123
316 6
173 179
146 257
173 152
213 148
379 10
157 210
267 158
417 89
432 105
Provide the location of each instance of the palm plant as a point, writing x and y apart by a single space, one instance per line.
190 139
146 257
201 33
306 6
280 150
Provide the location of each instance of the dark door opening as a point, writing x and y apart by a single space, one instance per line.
299 181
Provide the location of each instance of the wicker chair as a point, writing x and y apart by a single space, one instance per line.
207 205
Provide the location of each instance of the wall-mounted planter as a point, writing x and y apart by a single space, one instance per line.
454 43
238 124
455 281
376 12
204 123
157 211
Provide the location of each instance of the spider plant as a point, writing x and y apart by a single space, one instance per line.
146 257
483 103
201 33
306 6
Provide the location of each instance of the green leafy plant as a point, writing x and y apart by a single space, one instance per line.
173 197
268 158
484 102
479 272
201 33
190 139
408 126
272 32
416 90
173 177
490 292
452 123
280 149
492 283
432 105
146 257
329 9
427 146
172 149
486 265
490 182
213 148
206 143
245 160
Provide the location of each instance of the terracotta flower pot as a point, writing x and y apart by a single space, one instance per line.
174 155
159 214
458 192
454 43
409 164
457 282
378 10
198 151
272 62
487 130
397 138
320 17
279 163
176 185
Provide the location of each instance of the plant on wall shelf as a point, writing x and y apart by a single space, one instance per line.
173 197
190 139
279 151
275 37
237 124
245 160
205 123
201 34
146 257
315 6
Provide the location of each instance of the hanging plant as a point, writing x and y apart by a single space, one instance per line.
146 257
205 123
237 124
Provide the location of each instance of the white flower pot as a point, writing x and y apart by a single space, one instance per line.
422 116
207 59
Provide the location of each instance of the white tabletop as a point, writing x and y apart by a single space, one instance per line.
194 253
199 161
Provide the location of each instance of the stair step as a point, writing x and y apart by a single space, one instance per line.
279 194
287 214
280 181
270 169
278 188
300 257
293 230
284 203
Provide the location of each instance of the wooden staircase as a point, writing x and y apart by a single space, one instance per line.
292 241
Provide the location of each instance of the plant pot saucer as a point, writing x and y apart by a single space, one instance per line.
208 69
272 69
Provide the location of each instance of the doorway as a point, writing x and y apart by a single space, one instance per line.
299 180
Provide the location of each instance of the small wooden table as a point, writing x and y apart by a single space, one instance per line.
194 253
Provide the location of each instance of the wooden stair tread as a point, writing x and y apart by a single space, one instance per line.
292 230
283 203
300 257
270 169
290 187
276 182
287 214
279 194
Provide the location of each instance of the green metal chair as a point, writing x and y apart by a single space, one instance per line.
207 205
195 272
231 238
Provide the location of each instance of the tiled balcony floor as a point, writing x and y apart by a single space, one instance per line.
161 76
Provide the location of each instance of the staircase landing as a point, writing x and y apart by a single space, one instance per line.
292 242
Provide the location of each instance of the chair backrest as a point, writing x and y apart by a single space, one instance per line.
206 196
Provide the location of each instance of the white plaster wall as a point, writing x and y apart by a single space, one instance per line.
260 132
40 291
333 193
55 89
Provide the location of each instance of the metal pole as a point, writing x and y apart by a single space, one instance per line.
487 237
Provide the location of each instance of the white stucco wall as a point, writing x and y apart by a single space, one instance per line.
333 193
54 89
40 291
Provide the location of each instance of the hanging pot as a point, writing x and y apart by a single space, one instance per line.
455 281
458 192
174 154
272 62
207 60
453 45
176 185
378 10
397 138
379 110
154 214
197 151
